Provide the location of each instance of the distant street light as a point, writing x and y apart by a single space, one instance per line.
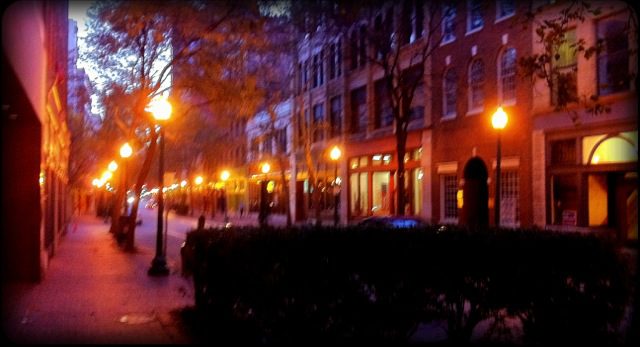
499 122
198 182
264 208
224 176
113 166
160 108
335 155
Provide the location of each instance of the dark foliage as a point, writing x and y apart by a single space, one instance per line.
373 285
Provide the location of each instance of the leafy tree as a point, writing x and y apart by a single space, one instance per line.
130 43
552 32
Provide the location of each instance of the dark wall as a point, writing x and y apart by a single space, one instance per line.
21 214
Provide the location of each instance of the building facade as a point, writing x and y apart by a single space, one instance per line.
547 167
35 139
585 164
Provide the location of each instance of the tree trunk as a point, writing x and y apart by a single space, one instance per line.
283 179
401 144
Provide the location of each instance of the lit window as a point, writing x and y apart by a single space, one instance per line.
449 185
509 193
621 148
565 65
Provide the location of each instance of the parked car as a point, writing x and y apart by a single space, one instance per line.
400 222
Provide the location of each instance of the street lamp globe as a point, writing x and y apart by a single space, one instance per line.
224 175
198 180
113 166
126 150
265 168
107 175
160 108
499 119
335 153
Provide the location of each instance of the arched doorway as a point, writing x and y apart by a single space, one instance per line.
475 210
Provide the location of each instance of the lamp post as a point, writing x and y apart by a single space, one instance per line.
335 155
125 153
198 182
263 214
224 176
161 110
498 121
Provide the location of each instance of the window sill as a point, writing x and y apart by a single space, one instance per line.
508 102
473 31
448 118
475 111
502 19
444 43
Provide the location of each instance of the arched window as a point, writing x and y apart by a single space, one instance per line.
476 85
449 91
507 76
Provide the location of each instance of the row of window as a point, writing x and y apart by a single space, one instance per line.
477 78
452 200
475 16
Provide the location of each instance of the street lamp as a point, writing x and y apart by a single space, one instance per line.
263 214
160 108
224 176
125 153
498 121
335 155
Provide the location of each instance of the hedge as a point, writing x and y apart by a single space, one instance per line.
373 285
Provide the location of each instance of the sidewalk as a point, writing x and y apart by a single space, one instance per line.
95 293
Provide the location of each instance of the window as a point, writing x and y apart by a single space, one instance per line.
335 116
476 85
255 148
507 80
318 122
450 93
335 59
412 21
563 152
415 75
281 140
383 110
305 74
565 64
613 60
317 71
358 47
358 119
474 15
509 192
505 8
449 201
448 23
267 145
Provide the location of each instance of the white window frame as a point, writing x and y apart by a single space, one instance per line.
500 18
469 10
448 37
445 114
501 77
476 109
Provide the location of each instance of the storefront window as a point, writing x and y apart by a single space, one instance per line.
417 191
364 161
564 194
381 194
353 163
358 191
621 148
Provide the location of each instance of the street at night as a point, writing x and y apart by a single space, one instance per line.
319 171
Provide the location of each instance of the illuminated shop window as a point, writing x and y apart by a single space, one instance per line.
605 149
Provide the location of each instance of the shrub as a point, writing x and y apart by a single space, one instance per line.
357 284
